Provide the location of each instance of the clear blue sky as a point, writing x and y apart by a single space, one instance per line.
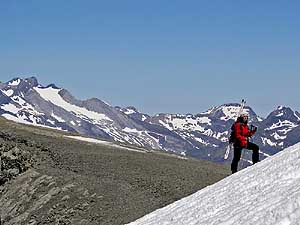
160 56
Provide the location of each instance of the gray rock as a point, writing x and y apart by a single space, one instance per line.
13 172
65 198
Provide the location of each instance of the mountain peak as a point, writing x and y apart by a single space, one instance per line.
282 118
230 104
284 108
32 81
130 110
14 82
52 86
229 111
283 111
28 82
280 107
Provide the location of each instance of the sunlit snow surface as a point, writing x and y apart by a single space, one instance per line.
8 92
59 119
52 95
266 193
129 111
15 82
107 143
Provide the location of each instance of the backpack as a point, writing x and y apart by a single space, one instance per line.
232 137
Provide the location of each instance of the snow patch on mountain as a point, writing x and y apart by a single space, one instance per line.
52 95
280 107
209 111
295 114
166 125
24 106
111 131
30 120
8 92
281 124
156 140
266 193
268 141
106 143
265 154
130 130
10 108
59 119
222 136
204 120
19 100
279 114
15 82
182 122
129 111
51 121
178 123
202 141
259 119
18 114
19 119
277 136
231 112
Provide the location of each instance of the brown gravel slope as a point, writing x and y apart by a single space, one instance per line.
56 180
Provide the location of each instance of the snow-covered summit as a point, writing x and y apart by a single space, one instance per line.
229 111
285 113
14 82
266 193
130 110
133 113
278 126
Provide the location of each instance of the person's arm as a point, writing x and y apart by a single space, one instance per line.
252 131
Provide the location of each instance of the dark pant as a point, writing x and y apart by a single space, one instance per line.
238 152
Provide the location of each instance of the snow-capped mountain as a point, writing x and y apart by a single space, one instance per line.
278 125
26 101
132 112
266 193
203 135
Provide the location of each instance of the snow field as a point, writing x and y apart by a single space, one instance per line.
266 193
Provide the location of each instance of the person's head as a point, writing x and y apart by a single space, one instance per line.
244 117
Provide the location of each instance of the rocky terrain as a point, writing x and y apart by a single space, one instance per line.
48 178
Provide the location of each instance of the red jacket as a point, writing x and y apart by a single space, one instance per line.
242 133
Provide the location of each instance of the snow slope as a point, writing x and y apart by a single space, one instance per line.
106 143
264 194
52 94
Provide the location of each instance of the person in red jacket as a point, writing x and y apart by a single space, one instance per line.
241 140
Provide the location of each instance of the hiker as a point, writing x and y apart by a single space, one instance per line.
241 134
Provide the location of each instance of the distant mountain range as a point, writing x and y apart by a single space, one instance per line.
203 135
